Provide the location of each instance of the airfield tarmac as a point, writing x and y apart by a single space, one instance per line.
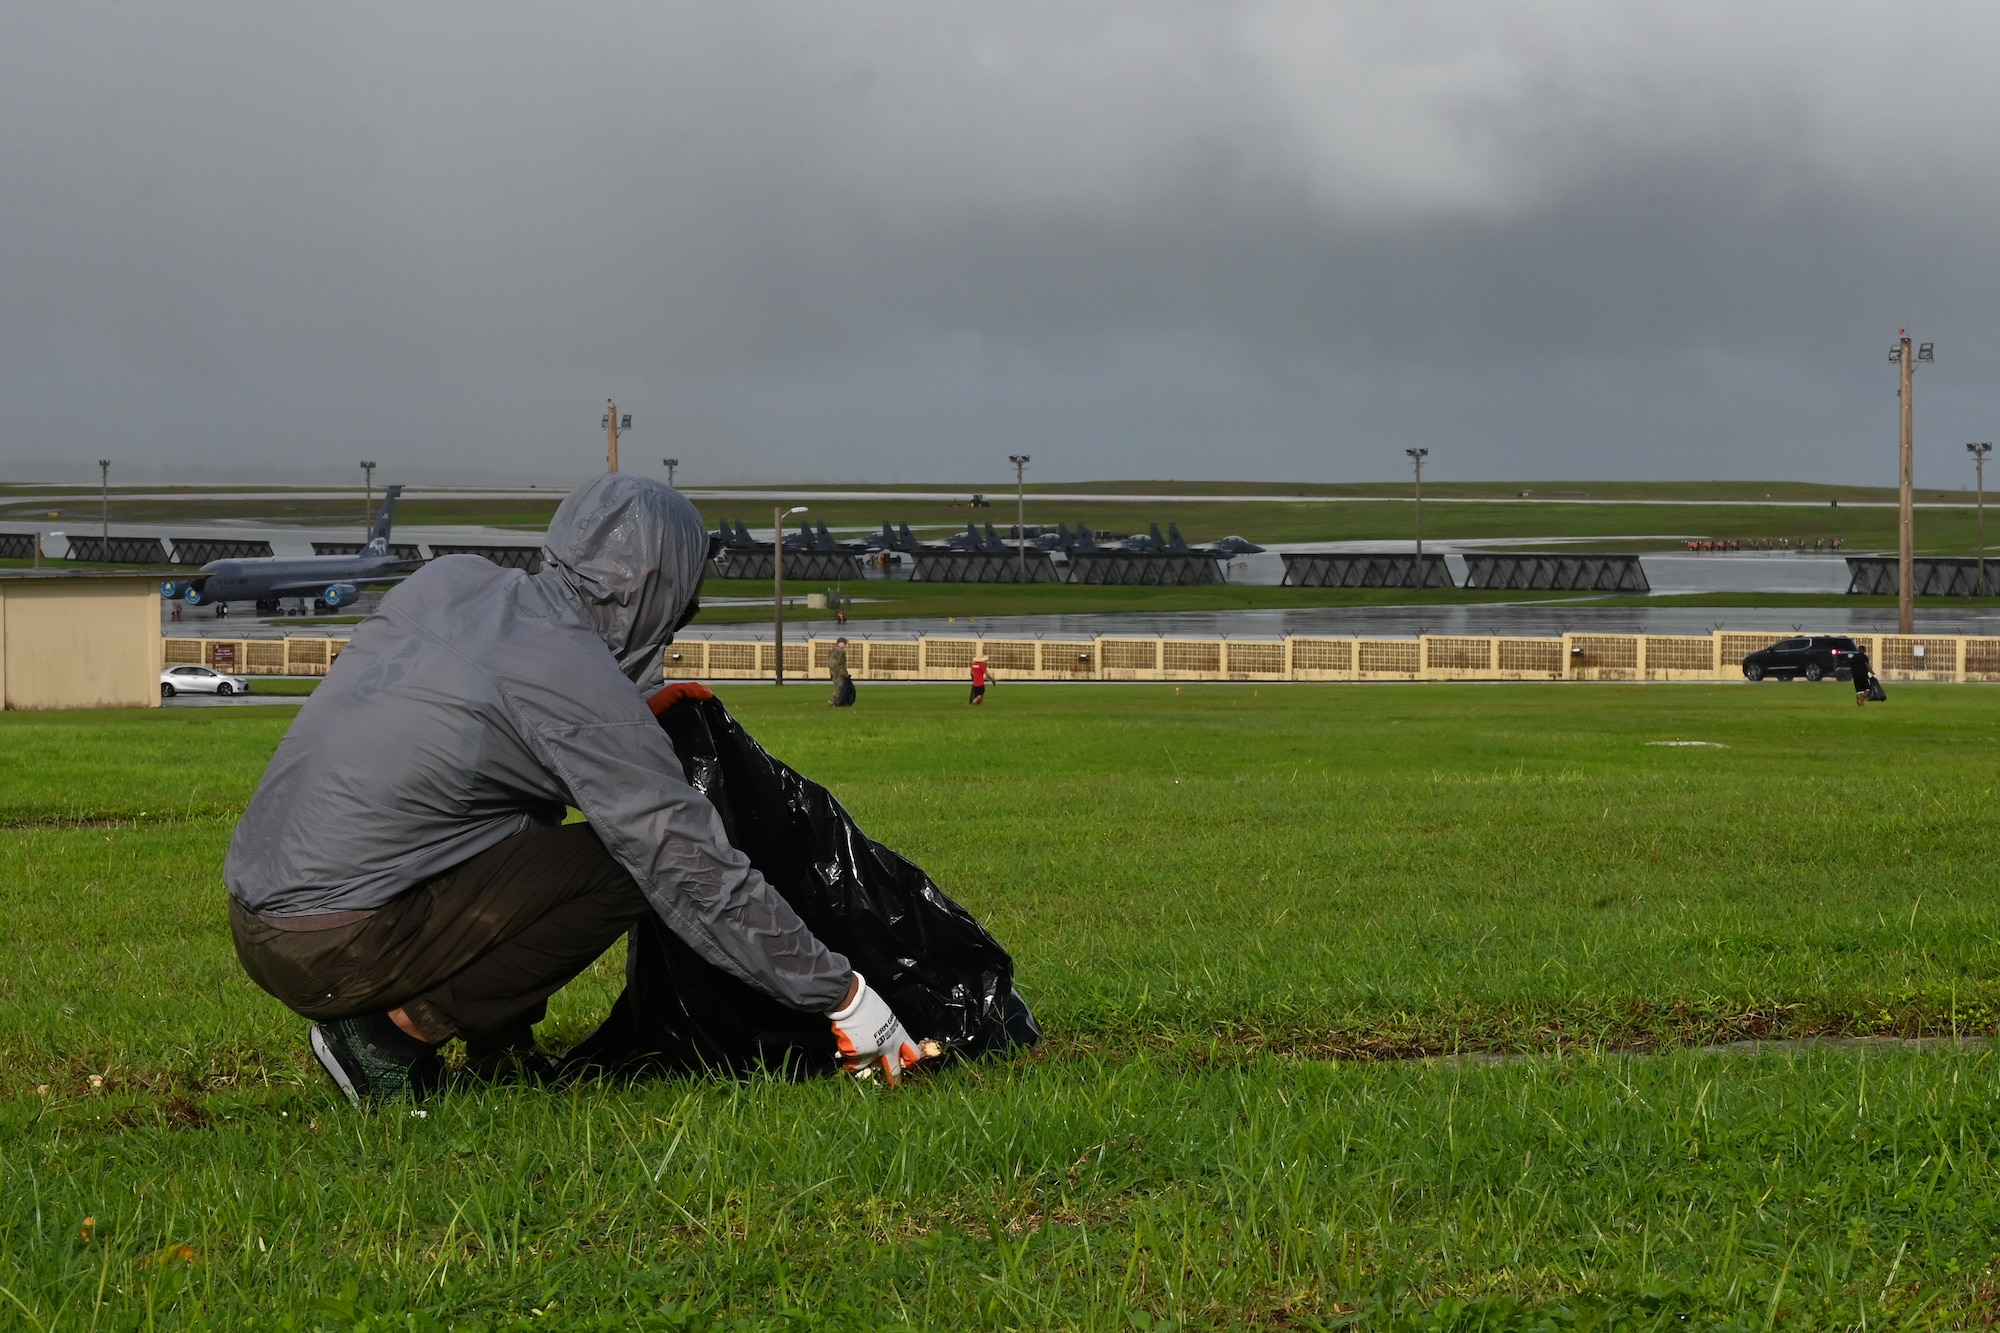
1529 617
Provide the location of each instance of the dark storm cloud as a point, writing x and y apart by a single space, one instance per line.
1263 240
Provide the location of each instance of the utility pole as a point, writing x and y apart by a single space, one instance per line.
1979 452
612 424
1417 457
1906 357
104 477
368 497
778 583
671 463
1020 462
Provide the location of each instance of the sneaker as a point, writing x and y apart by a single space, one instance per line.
373 1060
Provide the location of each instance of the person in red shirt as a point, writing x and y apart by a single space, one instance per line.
978 680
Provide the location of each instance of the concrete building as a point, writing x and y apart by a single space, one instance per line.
79 639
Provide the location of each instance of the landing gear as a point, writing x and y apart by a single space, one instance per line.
221 610
267 606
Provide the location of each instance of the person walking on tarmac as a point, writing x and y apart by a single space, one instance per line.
843 681
978 681
403 875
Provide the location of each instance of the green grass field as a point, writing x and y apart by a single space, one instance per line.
1239 911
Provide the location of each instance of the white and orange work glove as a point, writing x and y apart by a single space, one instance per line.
870 1035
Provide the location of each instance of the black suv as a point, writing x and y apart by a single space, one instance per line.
1815 657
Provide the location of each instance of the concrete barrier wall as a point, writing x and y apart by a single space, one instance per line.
1603 657
254 657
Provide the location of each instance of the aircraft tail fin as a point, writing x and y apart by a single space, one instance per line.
378 535
1175 542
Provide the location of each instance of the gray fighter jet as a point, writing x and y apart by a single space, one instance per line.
332 581
1228 547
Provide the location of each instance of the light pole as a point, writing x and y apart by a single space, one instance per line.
368 497
1417 457
1906 357
1020 462
778 583
612 424
104 479
671 463
1979 452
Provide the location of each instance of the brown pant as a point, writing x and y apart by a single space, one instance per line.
475 952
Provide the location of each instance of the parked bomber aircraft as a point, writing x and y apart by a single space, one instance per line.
331 580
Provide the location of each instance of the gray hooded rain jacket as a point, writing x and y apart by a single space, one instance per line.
478 702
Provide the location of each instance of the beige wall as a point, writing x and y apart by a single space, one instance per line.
80 642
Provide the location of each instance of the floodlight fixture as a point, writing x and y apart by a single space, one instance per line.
611 423
1020 462
1905 355
1417 457
1979 452
778 587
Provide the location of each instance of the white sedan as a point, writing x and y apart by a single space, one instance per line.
199 680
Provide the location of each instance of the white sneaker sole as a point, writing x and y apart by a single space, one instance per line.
328 1061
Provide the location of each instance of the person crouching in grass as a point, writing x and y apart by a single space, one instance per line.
403 875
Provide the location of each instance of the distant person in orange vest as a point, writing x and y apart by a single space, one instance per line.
978 680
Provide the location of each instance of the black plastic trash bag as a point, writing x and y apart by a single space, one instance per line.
946 978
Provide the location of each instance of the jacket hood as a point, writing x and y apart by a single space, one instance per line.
632 551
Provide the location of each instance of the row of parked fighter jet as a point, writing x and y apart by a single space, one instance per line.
736 537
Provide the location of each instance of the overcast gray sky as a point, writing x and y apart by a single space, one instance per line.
1273 239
